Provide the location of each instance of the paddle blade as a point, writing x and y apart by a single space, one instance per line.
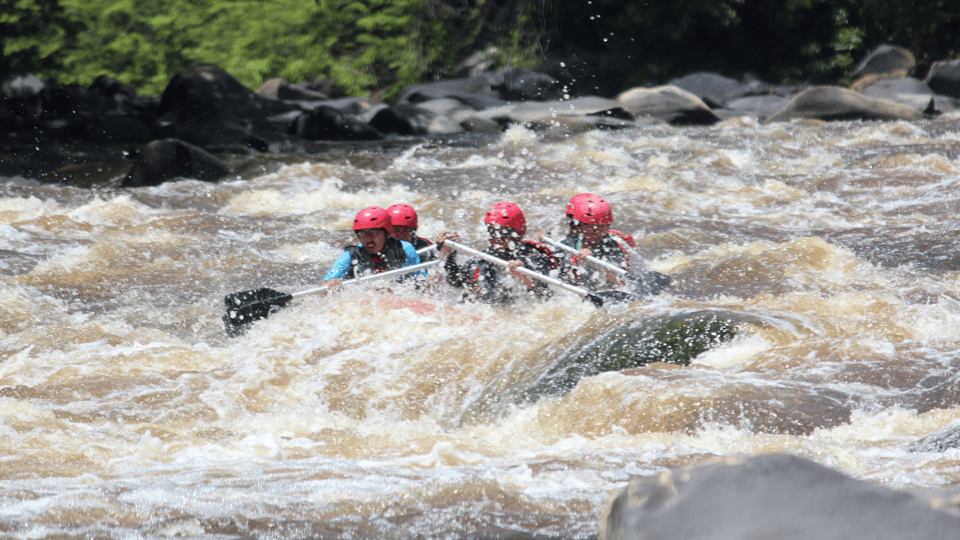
596 300
245 307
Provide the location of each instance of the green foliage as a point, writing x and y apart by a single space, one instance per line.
366 46
32 32
376 47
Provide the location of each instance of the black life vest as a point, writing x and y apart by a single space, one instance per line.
420 243
581 272
390 257
486 280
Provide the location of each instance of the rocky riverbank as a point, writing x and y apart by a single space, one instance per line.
208 126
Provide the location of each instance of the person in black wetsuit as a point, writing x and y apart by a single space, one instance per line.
404 220
490 283
589 217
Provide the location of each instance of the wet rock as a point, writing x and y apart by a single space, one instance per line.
885 62
206 106
669 104
836 103
769 496
760 107
522 84
938 442
489 89
168 159
327 123
907 91
281 90
575 114
715 90
474 92
412 120
944 78
674 339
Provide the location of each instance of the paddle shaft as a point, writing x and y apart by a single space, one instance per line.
594 260
372 277
525 271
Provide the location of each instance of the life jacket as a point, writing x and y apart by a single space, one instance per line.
608 250
486 277
420 243
362 262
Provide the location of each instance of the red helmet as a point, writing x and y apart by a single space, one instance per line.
402 215
507 215
372 217
589 208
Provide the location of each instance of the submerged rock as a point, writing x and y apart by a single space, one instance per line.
938 442
769 496
675 339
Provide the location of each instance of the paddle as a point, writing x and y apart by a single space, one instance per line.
597 301
647 283
245 307
591 258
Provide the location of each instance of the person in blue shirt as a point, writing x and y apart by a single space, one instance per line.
376 252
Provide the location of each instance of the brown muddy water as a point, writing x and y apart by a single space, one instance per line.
126 411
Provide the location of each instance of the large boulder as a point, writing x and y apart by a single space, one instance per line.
406 119
20 107
281 90
715 90
938 442
944 78
328 123
759 106
669 104
676 339
168 159
206 106
577 114
772 496
885 62
913 93
488 89
207 91
836 103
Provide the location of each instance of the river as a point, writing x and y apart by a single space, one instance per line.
126 411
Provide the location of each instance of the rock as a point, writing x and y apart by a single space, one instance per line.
576 114
412 120
522 84
774 496
885 62
944 78
910 92
488 89
206 106
168 159
667 103
474 92
835 103
207 91
281 90
760 107
675 339
938 442
328 123
715 90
